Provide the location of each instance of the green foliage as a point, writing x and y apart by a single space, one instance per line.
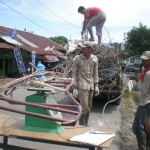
60 40
127 102
127 94
137 40
136 96
133 95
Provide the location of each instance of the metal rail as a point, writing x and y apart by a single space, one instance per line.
10 87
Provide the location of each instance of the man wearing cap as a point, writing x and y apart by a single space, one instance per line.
85 76
143 111
93 16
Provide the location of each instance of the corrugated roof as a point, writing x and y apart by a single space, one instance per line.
7 46
10 40
32 42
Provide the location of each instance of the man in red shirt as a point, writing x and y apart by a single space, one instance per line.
93 16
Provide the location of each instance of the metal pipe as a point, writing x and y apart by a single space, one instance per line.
61 105
37 105
10 87
33 114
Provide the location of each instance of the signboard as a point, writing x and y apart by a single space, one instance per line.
51 58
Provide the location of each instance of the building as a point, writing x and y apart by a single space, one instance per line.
46 50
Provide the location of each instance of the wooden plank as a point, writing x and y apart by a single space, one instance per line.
11 126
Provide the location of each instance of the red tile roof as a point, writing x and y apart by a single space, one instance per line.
40 41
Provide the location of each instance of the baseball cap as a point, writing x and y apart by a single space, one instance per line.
86 44
145 55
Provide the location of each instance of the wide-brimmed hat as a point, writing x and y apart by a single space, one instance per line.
145 55
86 44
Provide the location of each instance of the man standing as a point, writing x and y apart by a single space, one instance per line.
143 111
85 75
93 16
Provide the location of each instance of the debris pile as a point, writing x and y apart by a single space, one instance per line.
109 66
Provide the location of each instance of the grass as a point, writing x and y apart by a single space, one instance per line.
127 102
127 113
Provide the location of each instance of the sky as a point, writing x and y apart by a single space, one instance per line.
50 18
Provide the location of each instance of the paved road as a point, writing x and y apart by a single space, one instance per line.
111 119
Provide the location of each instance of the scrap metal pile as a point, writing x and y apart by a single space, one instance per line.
109 67
109 64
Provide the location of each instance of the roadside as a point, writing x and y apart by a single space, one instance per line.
128 139
5 80
128 109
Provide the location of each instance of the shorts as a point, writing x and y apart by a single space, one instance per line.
97 21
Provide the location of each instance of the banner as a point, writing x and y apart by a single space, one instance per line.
13 34
33 59
19 60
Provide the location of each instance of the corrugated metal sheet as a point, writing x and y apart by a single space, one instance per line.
39 41
26 41
10 40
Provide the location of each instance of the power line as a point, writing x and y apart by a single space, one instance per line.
55 14
27 18
43 11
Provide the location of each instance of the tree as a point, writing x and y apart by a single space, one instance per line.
137 40
60 40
